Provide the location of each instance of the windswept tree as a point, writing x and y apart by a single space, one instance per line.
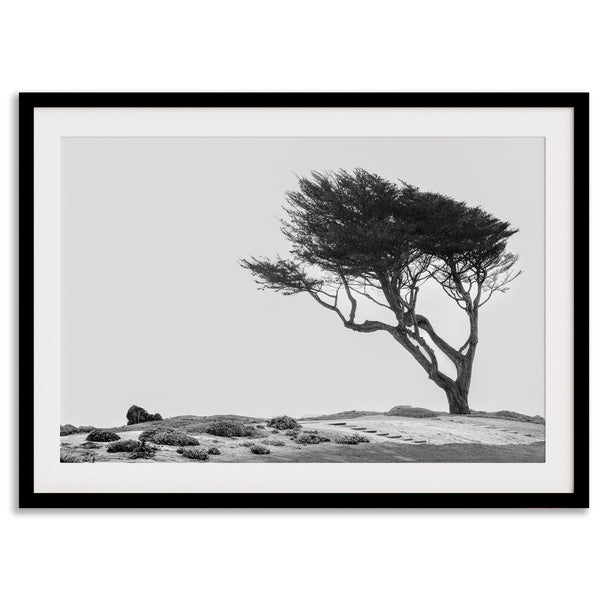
358 238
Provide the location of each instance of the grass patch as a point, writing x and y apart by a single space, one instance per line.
100 435
312 438
352 439
69 429
412 412
71 455
193 453
229 428
168 437
274 442
123 446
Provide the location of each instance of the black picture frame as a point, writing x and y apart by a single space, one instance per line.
579 498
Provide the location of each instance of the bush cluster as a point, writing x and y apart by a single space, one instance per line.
229 428
69 429
258 449
312 438
144 451
100 435
168 437
214 451
193 453
123 446
283 422
353 439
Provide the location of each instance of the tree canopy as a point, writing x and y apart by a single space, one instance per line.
357 236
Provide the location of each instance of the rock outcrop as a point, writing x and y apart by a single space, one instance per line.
137 414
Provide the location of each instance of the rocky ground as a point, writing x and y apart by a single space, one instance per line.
384 438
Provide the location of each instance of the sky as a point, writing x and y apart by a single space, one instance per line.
156 311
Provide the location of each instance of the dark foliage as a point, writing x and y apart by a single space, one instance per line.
283 422
352 439
214 451
312 438
144 451
193 453
357 237
100 435
227 428
258 449
71 429
123 446
168 437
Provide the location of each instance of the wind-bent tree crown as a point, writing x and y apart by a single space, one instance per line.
357 237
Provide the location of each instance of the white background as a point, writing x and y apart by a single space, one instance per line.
394 46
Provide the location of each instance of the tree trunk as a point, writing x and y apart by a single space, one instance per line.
457 400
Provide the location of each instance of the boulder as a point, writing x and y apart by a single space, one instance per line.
137 414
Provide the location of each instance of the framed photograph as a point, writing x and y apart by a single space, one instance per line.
304 300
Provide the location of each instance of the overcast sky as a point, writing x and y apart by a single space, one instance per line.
157 312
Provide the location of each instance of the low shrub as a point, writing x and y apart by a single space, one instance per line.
312 438
228 428
193 453
258 449
412 411
283 422
144 451
70 455
274 442
99 435
123 446
168 437
85 429
353 439
214 451
69 429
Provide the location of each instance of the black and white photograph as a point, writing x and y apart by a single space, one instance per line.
302 300
286 298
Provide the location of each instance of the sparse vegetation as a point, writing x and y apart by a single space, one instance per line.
510 415
193 453
352 439
168 437
228 428
123 446
71 455
100 435
274 442
412 412
283 422
258 449
144 451
69 429
312 438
